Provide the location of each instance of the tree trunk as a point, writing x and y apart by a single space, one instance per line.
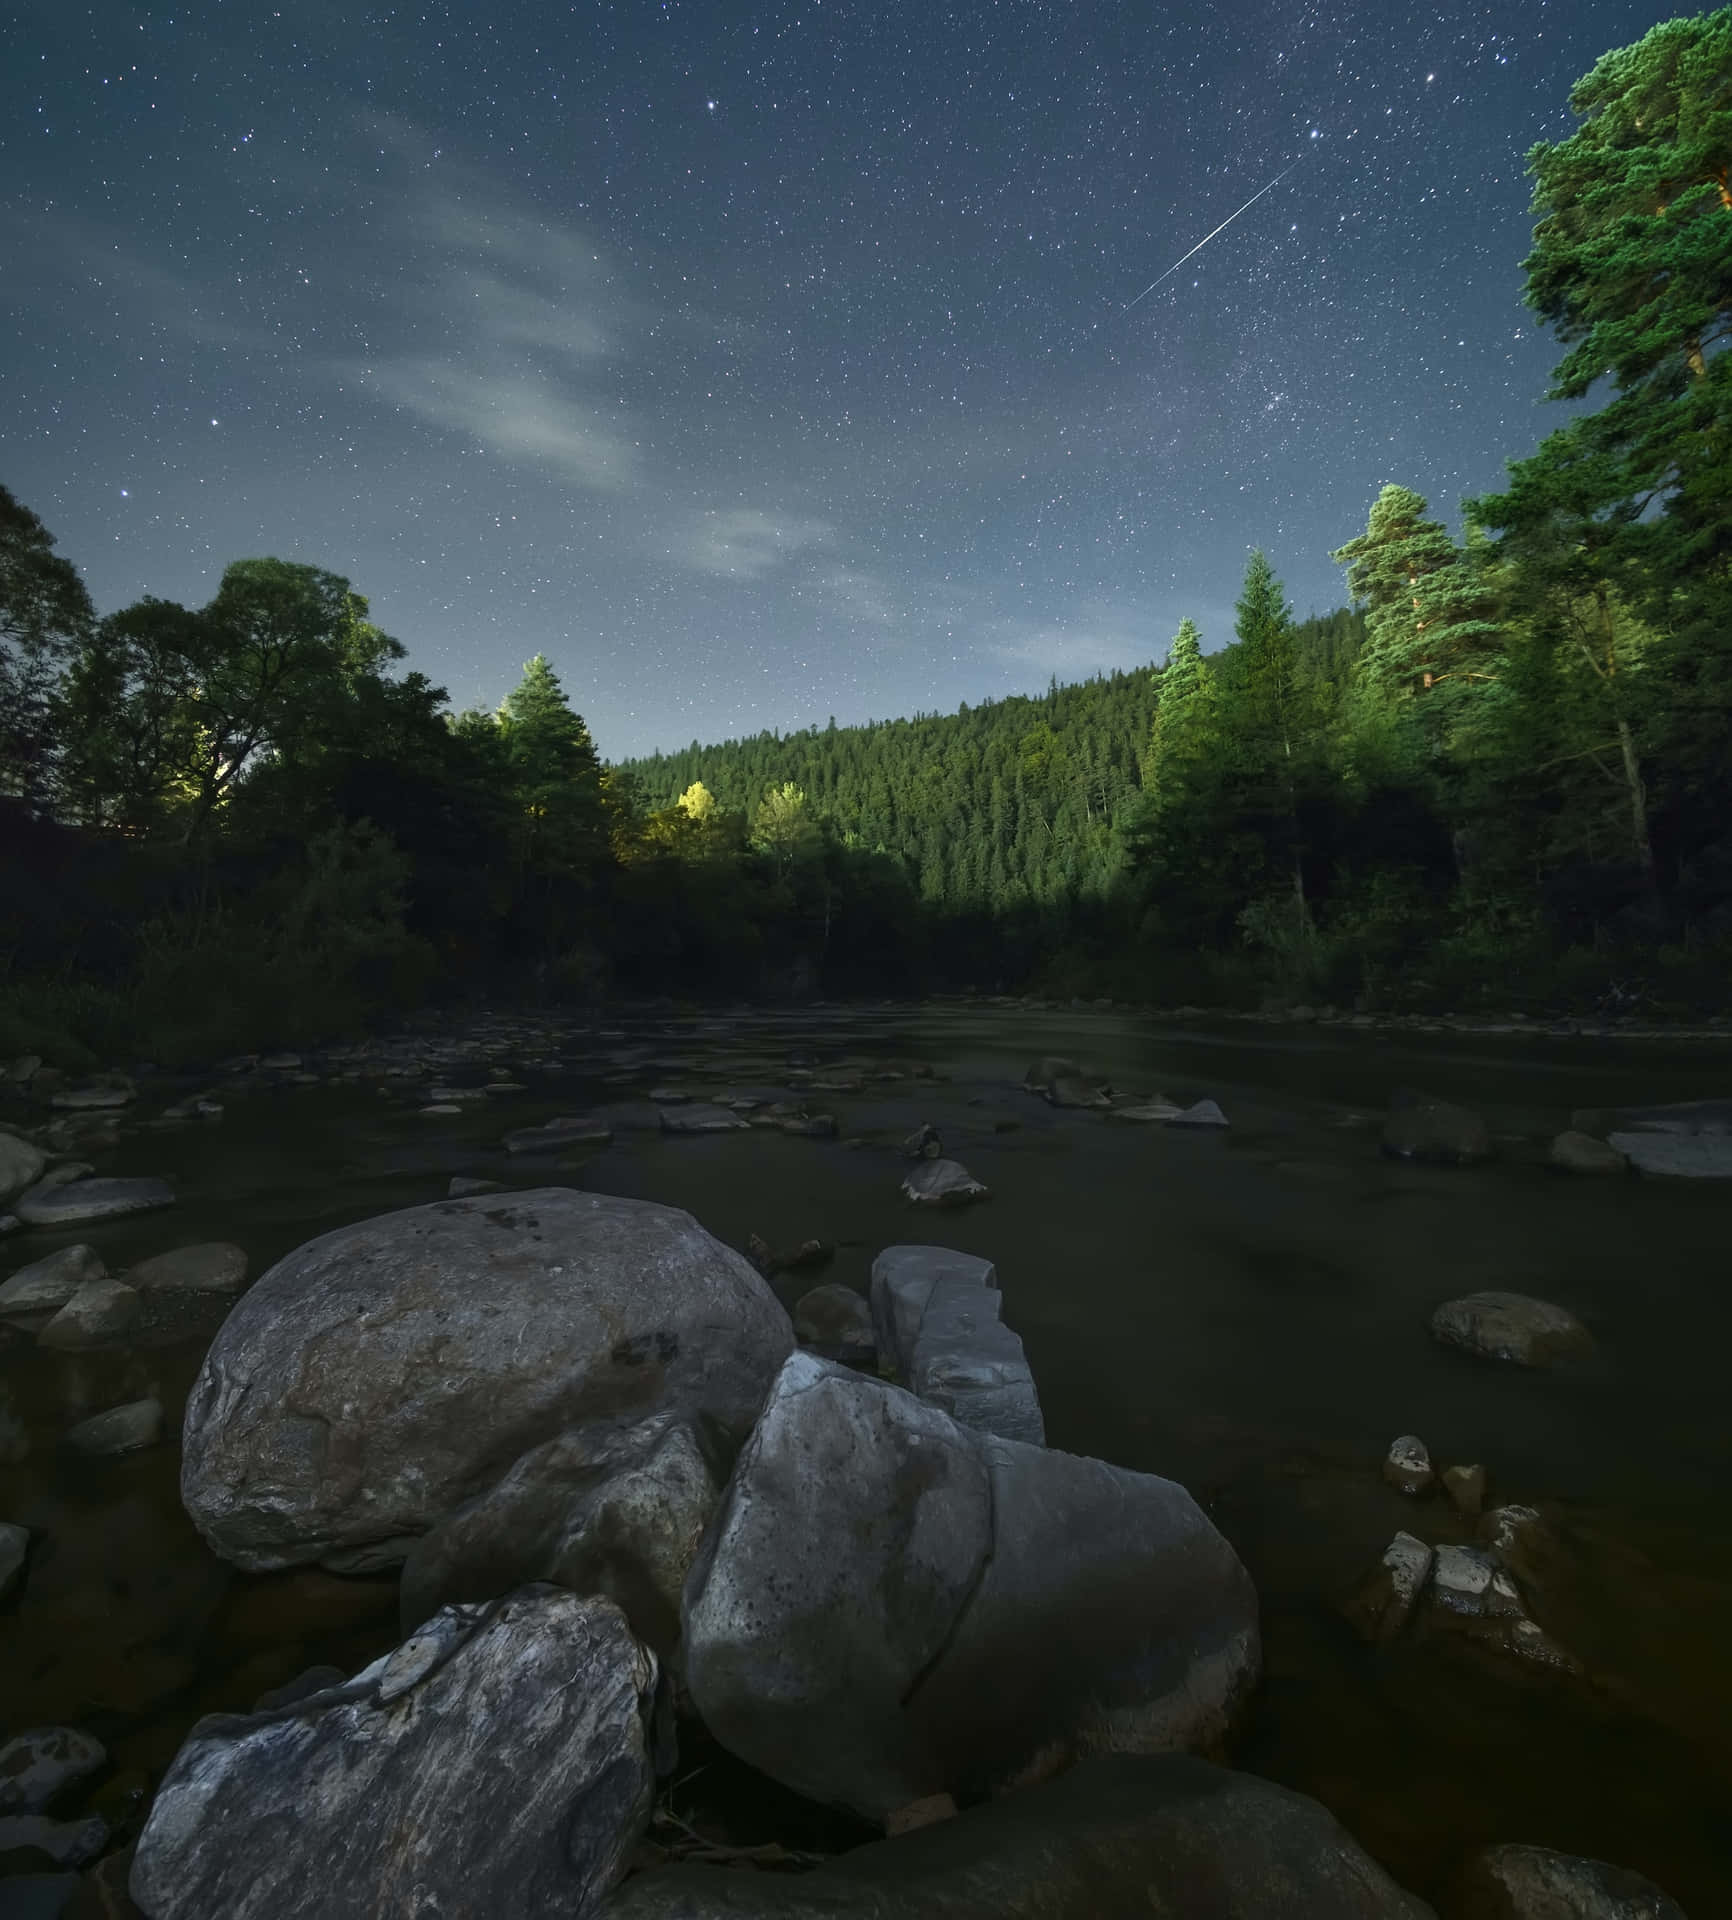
1638 802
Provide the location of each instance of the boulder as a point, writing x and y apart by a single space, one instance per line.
1513 1327
213 1266
21 1165
890 1605
1204 1114
124 1429
937 1315
619 1515
570 1132
100 1311
1072 1090
498 1762
700 1118
381 1376
1385 1601
71 1201
1154 1835
47 1284
943 1183
1533 1883
1682 1156
1407 1466
835 1322
1574 1152
1434 1132
37 1765
1050 1067
14 1551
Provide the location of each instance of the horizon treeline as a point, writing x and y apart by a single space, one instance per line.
1503 776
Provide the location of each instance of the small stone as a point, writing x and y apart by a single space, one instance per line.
14 1550
1466 1489
126 1429
1534 1883
943 1183
700 1118
1581 1153
47 1284
924 1812
100 1310
462 1187
1204 1114
38 1764
92 1099
1383 1603
1407 1466
212 1266
440 1107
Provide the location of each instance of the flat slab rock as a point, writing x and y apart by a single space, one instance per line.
1512 1327
699 1118
942 1183
497 1763
890 1605
1680 1156
212 1266
380 1376
45 1285
1153 1835
71 1201
571 1132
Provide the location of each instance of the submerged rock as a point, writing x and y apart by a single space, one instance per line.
1534 1883
381 1376
1385 1602
499 1764
100 1311
212 1266
124 1429
1156 1835
1575 1152
1513 1327
1434 1132
891 1605
943 1183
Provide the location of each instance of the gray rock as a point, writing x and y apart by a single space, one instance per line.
462 1187
68 1843
942 1183
1513 1327
1407 1466
1581 1153
92 1099
382 1375
1533 1883
835 1322
939 1331
21 1165
890 1605
1682 1156
1073 1090
1683 1116
14 1551
903 1282
1204 1114
43 1762
47 1284
498 1764
1153 1835
1466 1489
100 1311
570 1132
213 1266
124 1429
1150 1112
701 1118
1051 1067
619 1515
1434 1132
1385 1602
75 1200
923 1143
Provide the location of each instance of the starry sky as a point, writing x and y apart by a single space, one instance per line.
766 362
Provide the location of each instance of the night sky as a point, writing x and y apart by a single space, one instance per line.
761 363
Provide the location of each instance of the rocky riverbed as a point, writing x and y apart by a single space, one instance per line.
1420 1323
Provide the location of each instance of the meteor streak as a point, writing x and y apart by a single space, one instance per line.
1207 237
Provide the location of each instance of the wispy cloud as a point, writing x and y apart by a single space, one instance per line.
746 543
1093 639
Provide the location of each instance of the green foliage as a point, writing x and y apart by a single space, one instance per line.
44 613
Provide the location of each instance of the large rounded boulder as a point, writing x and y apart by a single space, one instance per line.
382 1375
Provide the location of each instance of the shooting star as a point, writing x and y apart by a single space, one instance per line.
1207 237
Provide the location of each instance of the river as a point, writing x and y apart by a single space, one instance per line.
1243 1311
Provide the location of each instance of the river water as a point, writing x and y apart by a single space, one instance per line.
1245 1312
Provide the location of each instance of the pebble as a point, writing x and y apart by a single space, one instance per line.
78 1199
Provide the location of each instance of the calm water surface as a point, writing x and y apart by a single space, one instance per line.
1244 1312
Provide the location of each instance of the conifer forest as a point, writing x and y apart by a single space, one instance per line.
1500 775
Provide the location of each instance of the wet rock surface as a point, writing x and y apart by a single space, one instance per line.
71 1202
1513 1327
370 1383
499 1762
1534 1883
942 1183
